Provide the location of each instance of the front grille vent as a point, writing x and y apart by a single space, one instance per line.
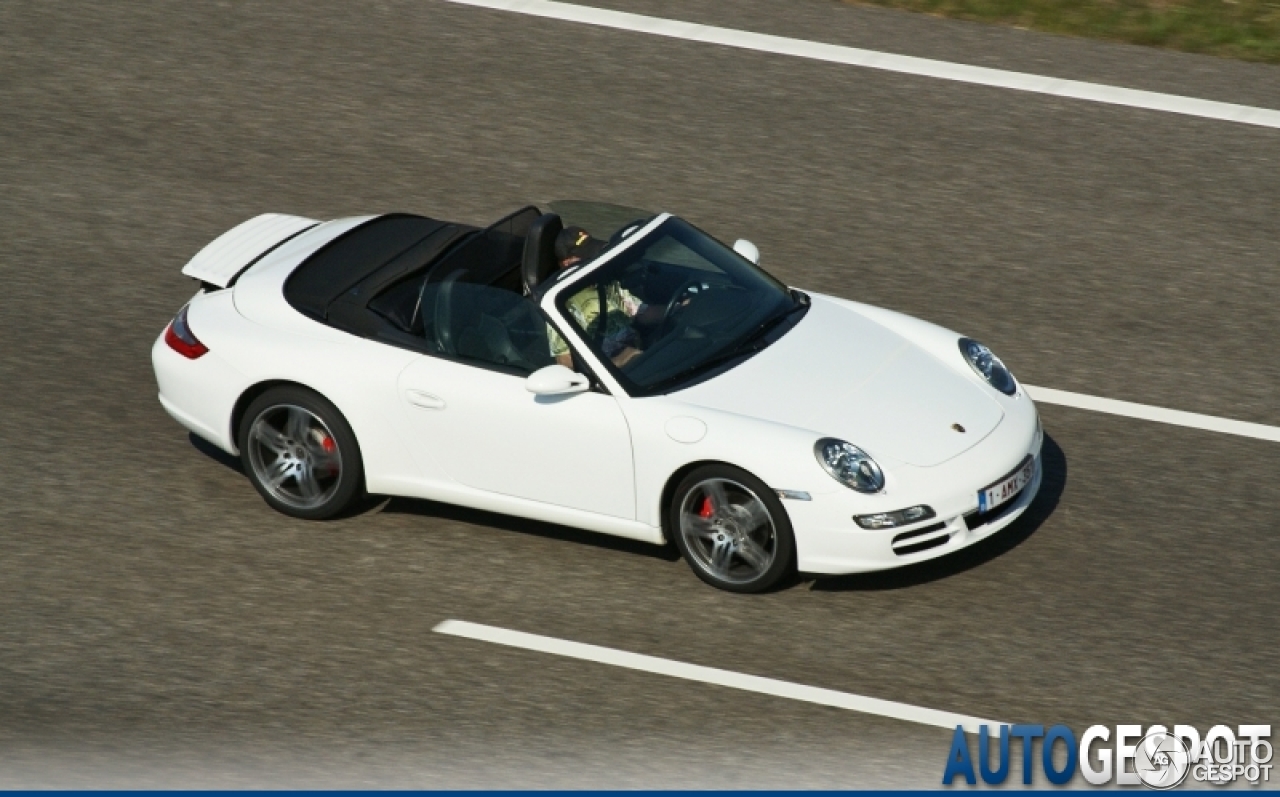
922 539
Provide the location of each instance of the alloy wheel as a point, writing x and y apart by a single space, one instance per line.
294 456
728 531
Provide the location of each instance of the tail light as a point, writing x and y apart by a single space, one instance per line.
180 339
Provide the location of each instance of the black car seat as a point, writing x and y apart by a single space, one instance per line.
490 341
442 315
539 258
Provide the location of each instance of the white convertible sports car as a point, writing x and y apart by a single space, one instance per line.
664 388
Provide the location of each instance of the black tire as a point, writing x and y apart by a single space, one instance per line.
290 441
730 546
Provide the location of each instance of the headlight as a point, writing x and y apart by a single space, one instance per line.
849 465
889 520
988 366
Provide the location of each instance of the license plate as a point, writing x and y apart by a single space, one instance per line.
1002 491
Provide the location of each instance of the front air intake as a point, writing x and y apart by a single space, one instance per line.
916 540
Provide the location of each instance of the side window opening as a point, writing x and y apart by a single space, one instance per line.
399 304
455 317
484 324
471 306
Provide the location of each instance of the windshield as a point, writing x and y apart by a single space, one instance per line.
679 306
603 220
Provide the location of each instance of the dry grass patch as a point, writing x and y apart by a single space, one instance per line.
1246 29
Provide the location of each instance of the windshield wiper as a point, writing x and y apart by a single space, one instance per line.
699 369
744 348
771 323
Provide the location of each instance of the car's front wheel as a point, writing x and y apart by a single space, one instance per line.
300 454
731 529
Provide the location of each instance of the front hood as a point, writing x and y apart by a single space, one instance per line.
843 375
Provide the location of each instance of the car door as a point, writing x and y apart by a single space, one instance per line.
467 410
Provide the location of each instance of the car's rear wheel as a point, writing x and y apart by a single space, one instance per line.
731 529
301 454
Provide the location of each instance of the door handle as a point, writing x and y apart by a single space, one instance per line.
426 401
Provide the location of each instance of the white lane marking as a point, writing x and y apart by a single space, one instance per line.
1146 412
945 70
872 59
712 675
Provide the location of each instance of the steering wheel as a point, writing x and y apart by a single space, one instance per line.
680 300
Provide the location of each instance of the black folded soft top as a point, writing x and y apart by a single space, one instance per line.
368 257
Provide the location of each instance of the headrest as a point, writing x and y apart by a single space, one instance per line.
539 259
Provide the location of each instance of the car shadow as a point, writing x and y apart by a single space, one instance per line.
551 531
216 454
234 463
1053 460
477 517
1054 481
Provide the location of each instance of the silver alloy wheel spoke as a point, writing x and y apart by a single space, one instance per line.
314 446
755 515
721 557
277 472
700 527
307 484
751 553
269 437
298 424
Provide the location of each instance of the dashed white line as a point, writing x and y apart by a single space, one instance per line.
872 59
1146 412
712 675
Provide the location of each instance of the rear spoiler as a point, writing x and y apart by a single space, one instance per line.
233 252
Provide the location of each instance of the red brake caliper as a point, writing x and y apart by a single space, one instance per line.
326 442
707 509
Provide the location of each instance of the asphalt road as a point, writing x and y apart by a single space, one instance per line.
159 625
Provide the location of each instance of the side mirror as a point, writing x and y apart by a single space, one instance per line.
556 380
747 249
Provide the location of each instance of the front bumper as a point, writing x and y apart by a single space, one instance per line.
829 542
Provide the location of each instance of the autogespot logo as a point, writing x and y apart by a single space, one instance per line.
1160 758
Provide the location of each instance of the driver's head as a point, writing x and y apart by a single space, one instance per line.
574 245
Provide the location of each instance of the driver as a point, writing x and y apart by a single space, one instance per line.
575 245
621 339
